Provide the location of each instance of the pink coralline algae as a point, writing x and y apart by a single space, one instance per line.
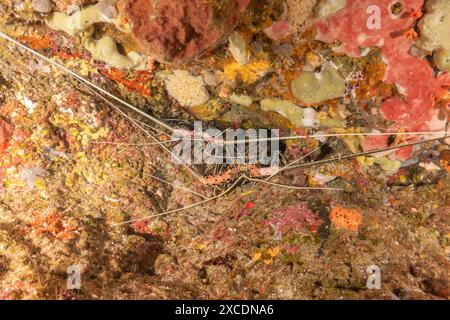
357 28
353 26
295 218
178 31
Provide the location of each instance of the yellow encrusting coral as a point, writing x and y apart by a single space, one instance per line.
249 73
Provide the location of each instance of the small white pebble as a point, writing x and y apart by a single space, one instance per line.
42 6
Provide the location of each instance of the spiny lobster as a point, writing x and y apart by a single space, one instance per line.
233 173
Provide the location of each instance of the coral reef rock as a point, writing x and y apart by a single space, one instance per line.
179 31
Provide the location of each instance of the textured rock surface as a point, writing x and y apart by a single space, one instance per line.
72 168
179 31
300 13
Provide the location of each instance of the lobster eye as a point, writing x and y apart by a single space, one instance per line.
397 8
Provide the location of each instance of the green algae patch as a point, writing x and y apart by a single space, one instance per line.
312 87
84 19
76 23
105 49
299 117
242 100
